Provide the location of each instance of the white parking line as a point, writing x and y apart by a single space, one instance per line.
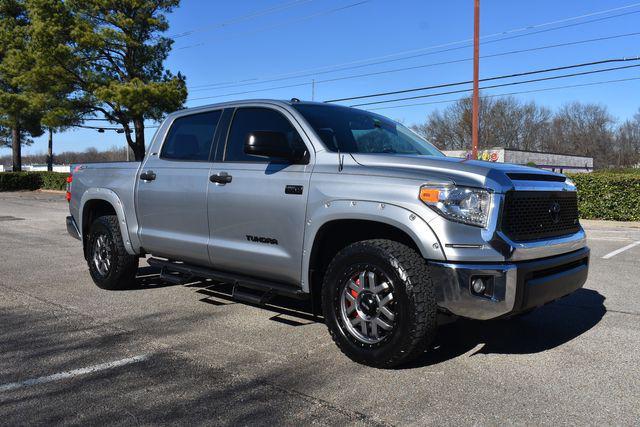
74 373
619 251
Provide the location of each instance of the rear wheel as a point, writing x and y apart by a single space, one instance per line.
378 303
110 266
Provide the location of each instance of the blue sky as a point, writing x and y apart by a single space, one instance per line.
222 45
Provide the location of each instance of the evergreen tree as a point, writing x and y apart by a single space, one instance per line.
113 53
20 107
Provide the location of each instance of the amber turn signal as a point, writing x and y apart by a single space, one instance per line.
430 195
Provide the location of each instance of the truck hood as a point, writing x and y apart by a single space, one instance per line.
497 176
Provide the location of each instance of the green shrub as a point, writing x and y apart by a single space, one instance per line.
53 180
16 181
613 195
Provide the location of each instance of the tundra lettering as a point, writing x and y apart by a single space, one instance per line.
262 240
389 239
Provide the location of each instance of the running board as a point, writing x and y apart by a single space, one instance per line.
251 297
176 279
237 280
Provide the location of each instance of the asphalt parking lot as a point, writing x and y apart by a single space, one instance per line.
72 353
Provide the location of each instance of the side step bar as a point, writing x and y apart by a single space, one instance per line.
251 297
237 280
176 279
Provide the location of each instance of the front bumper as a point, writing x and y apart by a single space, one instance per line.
72 228
512 287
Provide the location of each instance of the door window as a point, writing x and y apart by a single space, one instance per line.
247 120
190 137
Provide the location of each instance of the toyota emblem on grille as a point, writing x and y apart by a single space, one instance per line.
554 212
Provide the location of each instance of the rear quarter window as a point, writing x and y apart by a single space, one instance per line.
190 137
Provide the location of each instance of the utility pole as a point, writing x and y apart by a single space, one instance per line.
313 89
476 72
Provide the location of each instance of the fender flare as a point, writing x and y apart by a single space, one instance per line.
403 219
112 198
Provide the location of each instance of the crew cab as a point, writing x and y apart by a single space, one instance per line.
382 232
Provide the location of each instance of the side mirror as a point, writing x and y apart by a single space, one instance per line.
271 144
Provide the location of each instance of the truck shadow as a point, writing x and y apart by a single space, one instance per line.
287 310
543 329
148 277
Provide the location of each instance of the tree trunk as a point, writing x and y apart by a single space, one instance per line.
16 146
50 152
138 148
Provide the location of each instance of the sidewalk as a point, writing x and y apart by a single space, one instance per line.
598 223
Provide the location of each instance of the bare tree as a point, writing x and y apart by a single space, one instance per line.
583 129
114 154
504 122
627 145
451 128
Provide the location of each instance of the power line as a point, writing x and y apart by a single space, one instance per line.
420 88
508 93
248 91
383 58
105 128
505 76
249 16
512 52
294 21
584 73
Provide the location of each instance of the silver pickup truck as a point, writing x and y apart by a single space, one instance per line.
347 208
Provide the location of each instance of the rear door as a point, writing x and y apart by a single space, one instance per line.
172 190
257 218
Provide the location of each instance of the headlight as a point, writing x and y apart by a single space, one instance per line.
466 205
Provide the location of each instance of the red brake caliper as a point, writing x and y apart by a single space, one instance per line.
355 294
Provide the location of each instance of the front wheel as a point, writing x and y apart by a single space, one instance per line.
110 266
379 303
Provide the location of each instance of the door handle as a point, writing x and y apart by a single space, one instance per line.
148 176
221 178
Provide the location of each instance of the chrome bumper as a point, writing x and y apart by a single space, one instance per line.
544 248
514 287
72 228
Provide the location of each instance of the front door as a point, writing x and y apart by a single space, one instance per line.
257 213
172 191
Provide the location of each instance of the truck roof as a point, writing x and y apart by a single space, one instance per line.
227 104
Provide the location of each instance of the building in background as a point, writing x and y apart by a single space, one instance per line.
554 162
43 167
1 168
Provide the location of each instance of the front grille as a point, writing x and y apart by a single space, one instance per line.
535 215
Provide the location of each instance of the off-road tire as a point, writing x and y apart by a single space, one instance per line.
413 292
123 266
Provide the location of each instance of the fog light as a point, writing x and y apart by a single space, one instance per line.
478 286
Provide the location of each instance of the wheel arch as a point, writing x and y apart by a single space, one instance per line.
100 201
340 223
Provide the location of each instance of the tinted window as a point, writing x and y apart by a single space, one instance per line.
356 131
247 120
190 137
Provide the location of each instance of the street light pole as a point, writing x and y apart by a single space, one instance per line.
476 72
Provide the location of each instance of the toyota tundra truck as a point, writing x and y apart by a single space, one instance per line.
384 234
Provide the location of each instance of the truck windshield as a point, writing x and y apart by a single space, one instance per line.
355 131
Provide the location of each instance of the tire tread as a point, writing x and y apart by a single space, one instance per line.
415 272
125 267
